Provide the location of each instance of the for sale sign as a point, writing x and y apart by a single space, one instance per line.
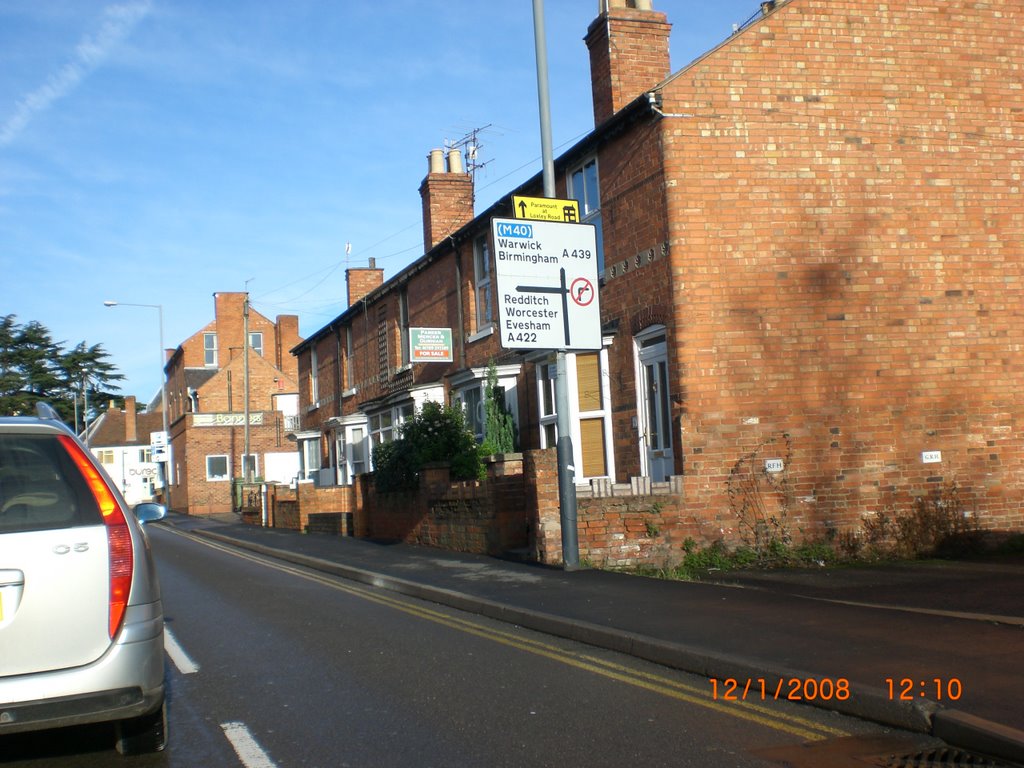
430 345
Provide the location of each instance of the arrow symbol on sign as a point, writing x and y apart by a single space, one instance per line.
522 209
560 290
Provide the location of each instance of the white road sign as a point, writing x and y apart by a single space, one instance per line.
546 281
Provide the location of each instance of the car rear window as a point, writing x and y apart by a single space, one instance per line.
40 487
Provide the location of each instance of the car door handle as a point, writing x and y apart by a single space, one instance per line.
11 578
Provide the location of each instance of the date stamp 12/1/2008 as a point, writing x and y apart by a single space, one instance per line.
830 689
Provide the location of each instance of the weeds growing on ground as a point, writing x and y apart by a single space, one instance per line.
937 525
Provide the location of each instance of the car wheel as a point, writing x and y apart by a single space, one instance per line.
143 734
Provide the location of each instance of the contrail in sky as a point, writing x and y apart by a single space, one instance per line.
118 22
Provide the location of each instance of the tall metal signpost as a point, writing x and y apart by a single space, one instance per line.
246 459
546 275
164 439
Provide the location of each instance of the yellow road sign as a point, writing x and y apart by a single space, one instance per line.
546 209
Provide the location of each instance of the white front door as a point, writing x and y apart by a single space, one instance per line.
338 457
655 413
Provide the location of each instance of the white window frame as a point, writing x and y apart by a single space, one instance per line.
350 383
475 379
378 431
309 455
590 209
546 404
357 450
314 376
465 397
640 343
482 282
209 350
545 378
403 327
217 478
256 342
256 464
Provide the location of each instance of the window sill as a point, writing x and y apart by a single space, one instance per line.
483 333
350 392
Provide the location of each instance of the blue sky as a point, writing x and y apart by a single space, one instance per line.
158 151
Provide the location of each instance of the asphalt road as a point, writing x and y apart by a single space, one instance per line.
274 665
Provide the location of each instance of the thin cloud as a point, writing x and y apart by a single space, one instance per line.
118 23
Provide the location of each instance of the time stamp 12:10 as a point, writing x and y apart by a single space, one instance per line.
827 689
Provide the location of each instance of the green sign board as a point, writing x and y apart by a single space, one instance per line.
430 345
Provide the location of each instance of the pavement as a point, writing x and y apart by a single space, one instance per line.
947 637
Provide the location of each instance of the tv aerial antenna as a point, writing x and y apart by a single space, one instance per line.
470 145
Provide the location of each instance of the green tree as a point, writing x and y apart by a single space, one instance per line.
435 433
12 382
34 367
86 370
500 435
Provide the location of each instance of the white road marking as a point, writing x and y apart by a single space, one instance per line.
178 656
249 752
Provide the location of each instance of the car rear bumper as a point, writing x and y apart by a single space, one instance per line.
98 707
127 681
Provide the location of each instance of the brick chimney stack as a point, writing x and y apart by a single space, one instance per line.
287 337
227 312
131 430
629 54
447 194
362 280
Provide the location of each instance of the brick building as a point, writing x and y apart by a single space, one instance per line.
120 439
812 274
207 404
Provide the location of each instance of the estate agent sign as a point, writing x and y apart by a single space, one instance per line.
430 345
546 279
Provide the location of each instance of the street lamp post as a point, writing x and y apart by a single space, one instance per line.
168 474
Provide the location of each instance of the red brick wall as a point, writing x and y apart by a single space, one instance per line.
637 291
828 223
846 241
540 475
199 496
486 517
229 325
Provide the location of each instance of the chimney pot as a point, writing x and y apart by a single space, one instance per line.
436 161
455 161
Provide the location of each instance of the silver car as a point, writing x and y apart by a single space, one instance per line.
81 622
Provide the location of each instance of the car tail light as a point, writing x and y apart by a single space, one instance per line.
119 537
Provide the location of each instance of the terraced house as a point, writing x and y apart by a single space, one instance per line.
812 281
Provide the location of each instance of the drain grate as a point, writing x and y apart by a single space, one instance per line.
900 750
941 757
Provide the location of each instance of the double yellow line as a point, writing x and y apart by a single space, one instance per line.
765 716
